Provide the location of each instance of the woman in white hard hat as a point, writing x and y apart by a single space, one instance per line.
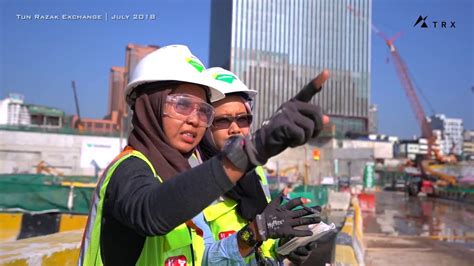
143 206
231 214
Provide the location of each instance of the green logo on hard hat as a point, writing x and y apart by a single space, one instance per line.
198 66
225 77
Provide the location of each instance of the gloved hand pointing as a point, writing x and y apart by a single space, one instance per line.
293 124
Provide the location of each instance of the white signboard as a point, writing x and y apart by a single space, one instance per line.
102 151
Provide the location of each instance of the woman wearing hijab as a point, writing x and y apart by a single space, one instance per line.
230 215
143 205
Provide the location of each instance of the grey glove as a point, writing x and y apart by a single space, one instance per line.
301 254
293 124
278 221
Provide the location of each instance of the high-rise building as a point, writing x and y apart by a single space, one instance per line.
119 78
116 90
276 47
133 54
451 132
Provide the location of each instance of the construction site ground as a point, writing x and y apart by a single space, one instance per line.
420 230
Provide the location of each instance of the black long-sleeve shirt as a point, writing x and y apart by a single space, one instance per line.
137 205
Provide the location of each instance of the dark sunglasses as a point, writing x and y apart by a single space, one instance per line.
224 122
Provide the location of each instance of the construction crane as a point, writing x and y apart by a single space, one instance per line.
407 84
78 124
409 88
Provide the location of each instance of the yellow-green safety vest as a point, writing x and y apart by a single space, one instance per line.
224 220
174 248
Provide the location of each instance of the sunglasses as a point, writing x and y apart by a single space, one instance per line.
224 122
185 105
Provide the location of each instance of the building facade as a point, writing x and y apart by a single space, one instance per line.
14 112
412 148
468 145
116 90
451 132
276 47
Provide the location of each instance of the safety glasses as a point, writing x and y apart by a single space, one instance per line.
185 105
224 122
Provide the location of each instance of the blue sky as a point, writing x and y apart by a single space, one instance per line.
40 58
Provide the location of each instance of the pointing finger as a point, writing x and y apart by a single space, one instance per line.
313 87
320 79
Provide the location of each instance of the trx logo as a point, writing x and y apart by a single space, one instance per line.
436 24
420 19
176 261
225 234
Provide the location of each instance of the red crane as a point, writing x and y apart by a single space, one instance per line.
407 84
409 88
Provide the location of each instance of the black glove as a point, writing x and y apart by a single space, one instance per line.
278 221
293 124
301 254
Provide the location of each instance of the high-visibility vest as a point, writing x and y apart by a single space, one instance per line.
174 248
224 220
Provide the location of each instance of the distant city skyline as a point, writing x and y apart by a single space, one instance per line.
39 58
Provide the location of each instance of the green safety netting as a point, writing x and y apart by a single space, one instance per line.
44 193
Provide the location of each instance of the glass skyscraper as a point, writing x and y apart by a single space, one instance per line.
277 46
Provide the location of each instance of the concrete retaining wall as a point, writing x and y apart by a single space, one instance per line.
349 249
21 151
56 249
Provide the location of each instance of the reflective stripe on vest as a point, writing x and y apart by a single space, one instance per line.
173 248
264 182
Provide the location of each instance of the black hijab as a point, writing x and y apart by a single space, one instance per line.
147 135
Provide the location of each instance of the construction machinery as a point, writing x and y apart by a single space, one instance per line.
434 155
286 170
44 167
78 124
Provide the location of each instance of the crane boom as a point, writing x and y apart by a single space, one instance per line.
76 100
409 88
410 92
78 123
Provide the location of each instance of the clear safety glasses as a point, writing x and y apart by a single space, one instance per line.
224 122
185 105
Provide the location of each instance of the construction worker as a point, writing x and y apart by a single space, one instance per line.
251 195
142 209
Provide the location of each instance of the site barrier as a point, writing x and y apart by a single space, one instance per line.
55 249
349 248
16 226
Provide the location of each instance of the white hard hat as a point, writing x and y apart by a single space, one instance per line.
228 82
170 63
